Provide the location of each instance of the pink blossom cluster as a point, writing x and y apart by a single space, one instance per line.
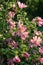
11 23
16 59
11 14
22 31
38 20
41 60
41 50
36 41
21 5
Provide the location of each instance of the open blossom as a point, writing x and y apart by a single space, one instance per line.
41 50
11 14
21 5
16 59
36 41
38 20
41 60
22 31
11 23
26 55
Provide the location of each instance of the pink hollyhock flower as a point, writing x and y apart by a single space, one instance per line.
16 59
10 62
11 14
22 31
26 55
41 60
41 50
36 41
40 23
11 23
13 33
38 33
38 20
21 5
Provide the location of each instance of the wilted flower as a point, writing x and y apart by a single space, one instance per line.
16 59
26 55
10 62
13 44
21 5
36 41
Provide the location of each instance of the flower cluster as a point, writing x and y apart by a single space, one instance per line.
22 31
21 42
38 20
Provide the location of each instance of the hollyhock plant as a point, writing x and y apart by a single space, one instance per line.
21 5
36 41
16 59
21 39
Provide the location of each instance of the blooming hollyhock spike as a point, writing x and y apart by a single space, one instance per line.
38 20
26 55
41 60
36 41
22 31
41 50
11 14
21 5
16 59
